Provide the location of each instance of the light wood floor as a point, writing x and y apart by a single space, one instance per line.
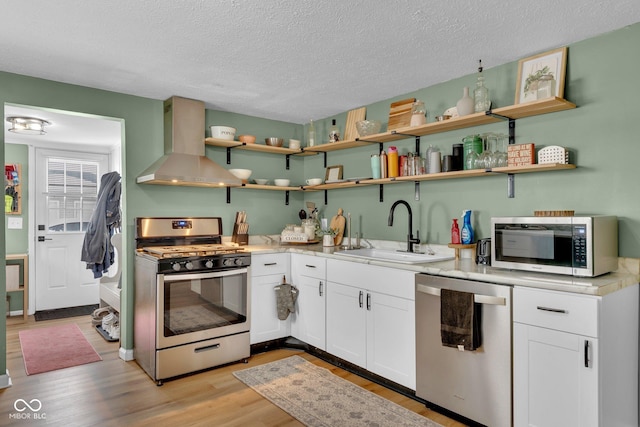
117 393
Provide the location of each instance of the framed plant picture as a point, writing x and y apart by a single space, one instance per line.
333 173
541 76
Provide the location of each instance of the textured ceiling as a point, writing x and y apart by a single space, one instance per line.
288 60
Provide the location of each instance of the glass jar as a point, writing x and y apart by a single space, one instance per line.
418 113
472 149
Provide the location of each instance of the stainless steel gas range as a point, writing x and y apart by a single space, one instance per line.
191 297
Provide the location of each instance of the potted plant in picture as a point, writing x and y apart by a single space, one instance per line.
533 80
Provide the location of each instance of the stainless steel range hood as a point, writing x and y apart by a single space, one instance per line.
184 162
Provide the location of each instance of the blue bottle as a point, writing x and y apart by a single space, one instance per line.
467 231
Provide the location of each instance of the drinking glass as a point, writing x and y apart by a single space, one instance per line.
501 150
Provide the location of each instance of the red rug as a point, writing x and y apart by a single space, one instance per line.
57 347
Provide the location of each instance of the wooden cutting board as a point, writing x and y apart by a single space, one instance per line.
353 116
400 114
337 223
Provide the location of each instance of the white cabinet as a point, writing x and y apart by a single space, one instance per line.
267 271
575 358
308 274
371 319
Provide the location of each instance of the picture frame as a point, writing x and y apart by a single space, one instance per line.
553 62
333 173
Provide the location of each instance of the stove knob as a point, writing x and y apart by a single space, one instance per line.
238 261
176 266
189 265
208 264
227 261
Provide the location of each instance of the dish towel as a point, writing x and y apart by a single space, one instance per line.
459 320
286 296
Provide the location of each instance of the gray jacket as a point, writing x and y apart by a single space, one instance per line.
97 250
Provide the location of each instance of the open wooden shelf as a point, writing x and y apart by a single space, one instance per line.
272 187
512 112
445 175
529 109
418 178
519 111
216 142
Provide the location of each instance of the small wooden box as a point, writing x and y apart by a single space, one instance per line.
521 154
13 278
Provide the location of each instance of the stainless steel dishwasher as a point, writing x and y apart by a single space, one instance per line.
475 384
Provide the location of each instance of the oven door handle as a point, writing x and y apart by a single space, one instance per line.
204 275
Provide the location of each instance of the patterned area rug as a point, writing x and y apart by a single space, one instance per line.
316 397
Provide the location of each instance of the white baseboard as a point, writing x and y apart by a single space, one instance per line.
126 354
15 313
5 380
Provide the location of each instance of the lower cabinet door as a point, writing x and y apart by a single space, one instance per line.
346 323
308 322
555 378
391 350
265 324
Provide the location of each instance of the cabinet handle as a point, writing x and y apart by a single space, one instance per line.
368 301
320 288
586 354
553 310
270 263
310 266
360 299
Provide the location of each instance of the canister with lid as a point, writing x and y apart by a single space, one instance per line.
392 160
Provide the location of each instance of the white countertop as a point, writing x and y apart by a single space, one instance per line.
628 273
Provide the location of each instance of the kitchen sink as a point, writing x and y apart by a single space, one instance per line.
393 256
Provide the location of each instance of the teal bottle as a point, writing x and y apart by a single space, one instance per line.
467 230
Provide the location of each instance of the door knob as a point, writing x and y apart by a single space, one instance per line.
42 238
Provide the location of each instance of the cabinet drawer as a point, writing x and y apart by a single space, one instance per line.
390 281
308 265
265 264
561 311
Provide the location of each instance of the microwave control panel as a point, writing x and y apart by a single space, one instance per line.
579 246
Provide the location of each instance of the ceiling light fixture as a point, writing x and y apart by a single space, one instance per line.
27 125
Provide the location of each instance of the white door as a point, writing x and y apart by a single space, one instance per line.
391 349
66 193
308 324
347 323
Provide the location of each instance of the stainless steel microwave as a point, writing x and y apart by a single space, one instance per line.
573 245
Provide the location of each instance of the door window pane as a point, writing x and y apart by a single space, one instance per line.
72 190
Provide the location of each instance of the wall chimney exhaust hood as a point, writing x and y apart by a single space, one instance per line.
184 162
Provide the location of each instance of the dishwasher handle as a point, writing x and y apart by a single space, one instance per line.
480 299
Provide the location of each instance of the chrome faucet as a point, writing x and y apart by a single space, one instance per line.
410 240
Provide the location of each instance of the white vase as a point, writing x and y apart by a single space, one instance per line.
465 104
327 240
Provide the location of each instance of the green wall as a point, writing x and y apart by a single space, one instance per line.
601 133
16 239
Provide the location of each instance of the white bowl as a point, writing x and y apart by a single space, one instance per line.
243 174
223 132
282 182
314 181
261 181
